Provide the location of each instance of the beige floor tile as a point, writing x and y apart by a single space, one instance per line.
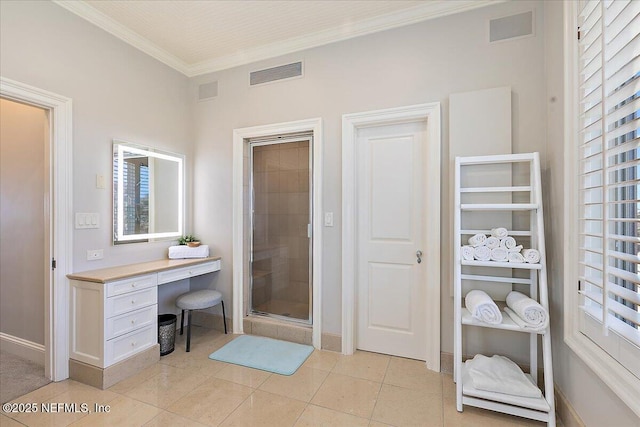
448 386
362 364
123 411
316 416
8 422
168 386
401 406
351 395
301 386
265 409
133 381
476 417
413 374
212 402
165 419
75 397
378 424
194 359
242 375
323 360
217 343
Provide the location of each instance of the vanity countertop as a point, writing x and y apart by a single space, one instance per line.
109 274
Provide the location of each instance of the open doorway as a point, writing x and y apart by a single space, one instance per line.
56 258
25 245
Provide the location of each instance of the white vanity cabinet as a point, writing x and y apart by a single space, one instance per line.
114 311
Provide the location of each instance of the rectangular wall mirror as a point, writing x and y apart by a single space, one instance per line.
148 193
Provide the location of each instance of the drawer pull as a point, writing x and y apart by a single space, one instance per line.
133 285
133 343
133 321
133 301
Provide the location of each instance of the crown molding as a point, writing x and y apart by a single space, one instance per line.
430 10
122 32
424 12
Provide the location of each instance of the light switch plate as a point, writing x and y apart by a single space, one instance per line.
328 219
87 220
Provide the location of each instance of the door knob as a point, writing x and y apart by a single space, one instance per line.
419 256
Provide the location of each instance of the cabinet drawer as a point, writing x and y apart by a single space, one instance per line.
123 324
127 345
129 302
132 284
186 272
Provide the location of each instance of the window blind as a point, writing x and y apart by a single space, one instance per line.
609 152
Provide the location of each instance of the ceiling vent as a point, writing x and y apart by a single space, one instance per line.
281 72
207 91
511 27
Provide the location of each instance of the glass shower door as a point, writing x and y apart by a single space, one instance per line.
281 229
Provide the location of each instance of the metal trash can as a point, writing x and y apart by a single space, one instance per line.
167 333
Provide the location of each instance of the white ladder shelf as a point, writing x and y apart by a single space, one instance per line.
543 408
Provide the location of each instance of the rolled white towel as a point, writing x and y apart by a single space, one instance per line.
467 253
499 254
492 242
477 240
499 232
532 256
515 257
482 253
528 310
508 242
482 307
515 249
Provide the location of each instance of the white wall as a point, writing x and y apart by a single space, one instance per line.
420 63
117 92
594 402
23 139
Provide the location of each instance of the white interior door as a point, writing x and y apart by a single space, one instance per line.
391 213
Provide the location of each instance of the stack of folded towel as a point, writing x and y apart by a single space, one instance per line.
526 312
498 246
183 251
499 374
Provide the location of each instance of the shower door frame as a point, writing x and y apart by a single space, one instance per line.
240 136
273 140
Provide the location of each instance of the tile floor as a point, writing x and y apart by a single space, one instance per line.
188 389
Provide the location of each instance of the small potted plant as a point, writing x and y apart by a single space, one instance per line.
189 240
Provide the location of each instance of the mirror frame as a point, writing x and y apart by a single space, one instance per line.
119 147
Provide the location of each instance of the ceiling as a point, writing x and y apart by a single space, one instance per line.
198 37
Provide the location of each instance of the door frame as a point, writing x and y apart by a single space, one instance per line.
240 137
60 206
429 113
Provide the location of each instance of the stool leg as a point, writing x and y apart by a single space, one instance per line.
182 323
189 332
224 318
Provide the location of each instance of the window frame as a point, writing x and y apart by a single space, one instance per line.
622 382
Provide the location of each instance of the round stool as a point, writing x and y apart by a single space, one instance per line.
198 300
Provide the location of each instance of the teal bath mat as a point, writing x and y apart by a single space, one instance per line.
267 354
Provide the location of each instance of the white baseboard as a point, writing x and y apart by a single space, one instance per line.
22 348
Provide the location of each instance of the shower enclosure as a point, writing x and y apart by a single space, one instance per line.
281 214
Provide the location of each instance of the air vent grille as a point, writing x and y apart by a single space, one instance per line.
509 27
276 73
207 91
